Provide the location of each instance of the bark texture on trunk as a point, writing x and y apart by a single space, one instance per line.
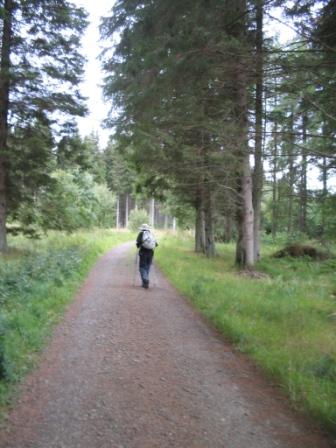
303 183
152 213
248 220
274 182
325 177
258 161
210 249
245 222
199 225
291 176
247 215
126 209
118 212
4 107
324 185
240 249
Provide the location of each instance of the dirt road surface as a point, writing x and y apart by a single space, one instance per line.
135 368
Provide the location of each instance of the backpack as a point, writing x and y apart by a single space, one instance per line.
148 240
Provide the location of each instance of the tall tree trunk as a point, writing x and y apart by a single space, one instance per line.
240 249
118 212
204 239
152 213
258 161
324 185
324 194
207 196
210 250
199 224
247 220
324 177
291 176
126 209
4 107
274 181
303 183
241 105
244 218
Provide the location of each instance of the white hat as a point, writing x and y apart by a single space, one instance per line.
144 227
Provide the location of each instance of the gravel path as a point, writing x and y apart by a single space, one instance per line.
135 368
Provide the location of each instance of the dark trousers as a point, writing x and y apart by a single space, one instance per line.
146 258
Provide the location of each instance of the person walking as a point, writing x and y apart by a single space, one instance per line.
146 243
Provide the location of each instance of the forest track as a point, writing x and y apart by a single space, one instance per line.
135 368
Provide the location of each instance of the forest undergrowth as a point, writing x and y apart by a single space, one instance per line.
284 319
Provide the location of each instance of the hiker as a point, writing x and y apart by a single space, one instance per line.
146 244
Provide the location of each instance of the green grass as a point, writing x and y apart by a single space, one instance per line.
283 321
38 279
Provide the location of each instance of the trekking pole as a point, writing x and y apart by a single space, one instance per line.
135 267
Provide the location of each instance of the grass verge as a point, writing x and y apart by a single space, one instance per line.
37 281
286 321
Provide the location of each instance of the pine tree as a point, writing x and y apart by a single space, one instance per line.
40 71
182 100
31 164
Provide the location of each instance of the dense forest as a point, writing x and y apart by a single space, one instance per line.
230 130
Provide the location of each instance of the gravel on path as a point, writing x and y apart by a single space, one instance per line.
135 368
